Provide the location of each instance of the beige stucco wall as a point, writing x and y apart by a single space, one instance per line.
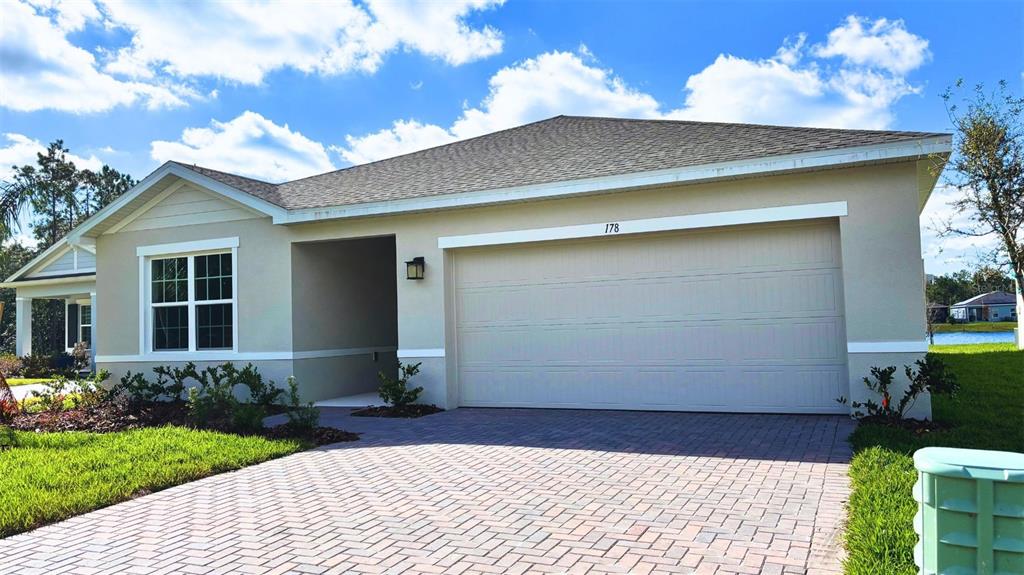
882 267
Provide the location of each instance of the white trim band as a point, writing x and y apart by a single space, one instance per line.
887 346
187 247
671 223
228 355
417 353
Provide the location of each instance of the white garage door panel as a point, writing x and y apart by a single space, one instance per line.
746 319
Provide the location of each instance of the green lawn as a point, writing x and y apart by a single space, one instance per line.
977 326
53 476
13 381
987 414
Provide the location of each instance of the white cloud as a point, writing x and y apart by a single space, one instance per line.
883 43
43 70
21 150
243 41
249 145
550 84
173 43
790 88
952 253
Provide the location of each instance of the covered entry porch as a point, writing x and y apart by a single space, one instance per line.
344 317
77 297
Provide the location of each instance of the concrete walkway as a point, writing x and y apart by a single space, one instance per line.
491 491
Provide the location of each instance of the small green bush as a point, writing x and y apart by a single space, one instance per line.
396 392
247 418
303 419
36 365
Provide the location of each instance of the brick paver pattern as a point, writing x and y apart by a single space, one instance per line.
491 491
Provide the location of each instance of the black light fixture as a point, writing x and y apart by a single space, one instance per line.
414 268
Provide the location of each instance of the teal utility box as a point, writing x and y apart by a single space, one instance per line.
970 512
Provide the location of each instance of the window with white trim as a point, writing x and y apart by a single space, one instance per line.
191 300
85 324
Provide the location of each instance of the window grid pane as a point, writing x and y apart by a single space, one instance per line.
213 277
170 328
214 326
86 311
170 280
87 335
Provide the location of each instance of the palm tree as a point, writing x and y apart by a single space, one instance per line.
13 199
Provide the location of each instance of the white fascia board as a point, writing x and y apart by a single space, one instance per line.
55 251
723 170
420 353
887 346
170 168
670 223
49 281
187 247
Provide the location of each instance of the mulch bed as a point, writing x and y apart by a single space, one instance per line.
111 417
406 411
918 427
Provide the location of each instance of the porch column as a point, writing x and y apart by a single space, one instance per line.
92 344
23 326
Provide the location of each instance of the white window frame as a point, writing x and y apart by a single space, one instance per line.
80 303
81 307
190 250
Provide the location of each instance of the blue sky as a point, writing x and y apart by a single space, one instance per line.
283 91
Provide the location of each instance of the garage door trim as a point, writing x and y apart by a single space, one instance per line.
791 213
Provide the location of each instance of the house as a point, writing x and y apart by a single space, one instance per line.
575 262
991 306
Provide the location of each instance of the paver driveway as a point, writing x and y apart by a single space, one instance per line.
491 491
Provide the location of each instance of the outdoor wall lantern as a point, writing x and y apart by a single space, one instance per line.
414 268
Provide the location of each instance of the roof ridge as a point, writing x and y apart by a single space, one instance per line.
749 125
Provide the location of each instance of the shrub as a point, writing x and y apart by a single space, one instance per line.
177 378
396 392
136 389
261 393
36 365
213 399
7 438
931 375
56 397
247 418
62 363
91 391
10 365
303 419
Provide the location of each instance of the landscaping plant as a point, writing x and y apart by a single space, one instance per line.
396 392
930 375
303 419
10 365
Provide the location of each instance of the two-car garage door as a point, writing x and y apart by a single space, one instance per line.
737 319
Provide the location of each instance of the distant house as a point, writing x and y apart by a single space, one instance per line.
991 306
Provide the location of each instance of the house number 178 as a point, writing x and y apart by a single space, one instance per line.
612 228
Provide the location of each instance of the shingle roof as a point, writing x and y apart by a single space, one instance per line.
990 298
558 149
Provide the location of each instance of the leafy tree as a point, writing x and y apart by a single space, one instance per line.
951 288
103 187
51 189
988 278
59 197
987 169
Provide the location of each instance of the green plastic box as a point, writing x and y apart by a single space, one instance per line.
970 512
